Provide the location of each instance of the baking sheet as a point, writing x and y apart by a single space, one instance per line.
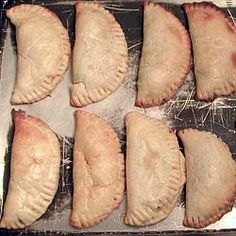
181 111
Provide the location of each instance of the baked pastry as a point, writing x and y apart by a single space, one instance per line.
211 178
165 60
155 170
213 37
43 49
34 175
100 56
98 171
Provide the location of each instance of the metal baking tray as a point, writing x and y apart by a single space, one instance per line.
181 111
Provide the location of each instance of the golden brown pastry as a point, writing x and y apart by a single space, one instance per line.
211 178
43 50
165 60
155 171
98 171
213 37
100 56
34 176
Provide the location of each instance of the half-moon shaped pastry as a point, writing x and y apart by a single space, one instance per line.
34 175
98 171
100 56
214 47
165 60
155 170
211 178
43 49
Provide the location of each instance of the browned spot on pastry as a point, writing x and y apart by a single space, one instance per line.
175 31
233 58
171 131
208 16
152 160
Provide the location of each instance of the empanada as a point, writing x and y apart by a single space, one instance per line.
100 56
213 37
98 171
165 60
43 50
211 178
155 170
34 176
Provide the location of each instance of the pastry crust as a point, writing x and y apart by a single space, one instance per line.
165 60
43 49
211 178
34 176
213 37
155 170
98 171
100 57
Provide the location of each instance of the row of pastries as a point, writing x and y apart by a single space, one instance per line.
156 171
100 54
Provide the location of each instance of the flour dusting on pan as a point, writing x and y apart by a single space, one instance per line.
181 111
